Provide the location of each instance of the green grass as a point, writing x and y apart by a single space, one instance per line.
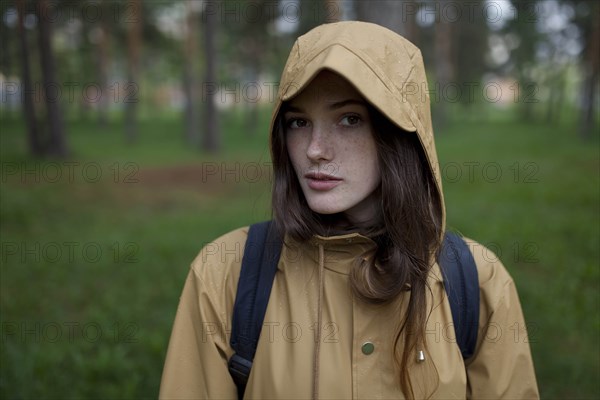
83 325
543 214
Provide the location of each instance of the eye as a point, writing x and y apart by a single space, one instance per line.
350 120
296 123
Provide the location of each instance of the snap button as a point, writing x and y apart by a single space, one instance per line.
367 348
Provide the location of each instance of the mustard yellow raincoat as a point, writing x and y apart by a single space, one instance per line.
355 357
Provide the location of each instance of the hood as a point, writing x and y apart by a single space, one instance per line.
384 67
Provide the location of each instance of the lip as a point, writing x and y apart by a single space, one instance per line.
321 182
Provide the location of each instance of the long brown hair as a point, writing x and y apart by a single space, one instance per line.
407 231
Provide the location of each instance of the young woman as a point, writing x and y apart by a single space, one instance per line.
357 308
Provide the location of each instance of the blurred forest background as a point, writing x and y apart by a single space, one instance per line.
134 132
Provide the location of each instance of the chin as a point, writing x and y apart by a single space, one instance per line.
326 209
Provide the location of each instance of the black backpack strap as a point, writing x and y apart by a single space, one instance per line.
259 264
462 287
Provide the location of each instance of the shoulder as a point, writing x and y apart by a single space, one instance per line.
494 279
220 259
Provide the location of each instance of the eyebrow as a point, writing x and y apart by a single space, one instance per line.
340 104
332 106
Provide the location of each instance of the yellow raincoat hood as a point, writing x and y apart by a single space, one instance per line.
384 67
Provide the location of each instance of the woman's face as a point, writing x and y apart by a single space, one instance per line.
329 137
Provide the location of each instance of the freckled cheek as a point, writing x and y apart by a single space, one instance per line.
290 144
295 149
363 170
369 163
361 158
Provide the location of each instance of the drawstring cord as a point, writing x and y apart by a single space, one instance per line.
315 394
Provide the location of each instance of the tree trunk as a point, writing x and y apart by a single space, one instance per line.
210 141
57 145
557 88
409 19
333 11
33 134
189 75
256 37
254 75
388 13
591 79
134 43
85 61
102 63
444 71
6 39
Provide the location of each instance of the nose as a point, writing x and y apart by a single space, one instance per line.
320 146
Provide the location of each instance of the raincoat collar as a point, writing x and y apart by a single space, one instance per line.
341 251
